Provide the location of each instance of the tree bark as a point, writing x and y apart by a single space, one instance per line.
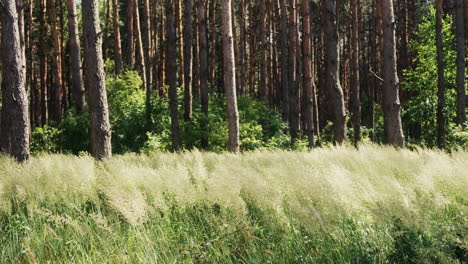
334 89
95 81
441 131
203 71
43 61
230 77
391 102
284 60
139 45
293 80
130 34
308 75
117 42
148 47
77 77
55 98
188 39
172 74
355 102
15 125
460 36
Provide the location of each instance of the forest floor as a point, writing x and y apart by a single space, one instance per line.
332 205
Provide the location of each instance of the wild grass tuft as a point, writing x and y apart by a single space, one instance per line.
335 205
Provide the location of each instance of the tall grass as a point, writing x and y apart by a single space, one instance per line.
336 205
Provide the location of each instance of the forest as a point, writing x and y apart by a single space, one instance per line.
233 131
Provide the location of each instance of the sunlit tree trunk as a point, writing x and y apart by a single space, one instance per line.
75 56
308 75
355 102
391 101
230 77
117 42
95 81
188 39
334 89
55 97
15 125
203 68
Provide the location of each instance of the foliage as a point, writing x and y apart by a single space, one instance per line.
331 205
131 132
421 81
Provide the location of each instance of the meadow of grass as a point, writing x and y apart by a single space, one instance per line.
334 205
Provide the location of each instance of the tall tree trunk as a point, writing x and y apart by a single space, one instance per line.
43 61
146 32
262 86
203 71
293 80
77 77
441 131
180 44
117 41
308 75
139 45
460 36
355 102
391 102
230 77
15 126
284 60
172 74
56 106
242 47
130 34
212 40
95 81
34 107
335 91
188 39
107 30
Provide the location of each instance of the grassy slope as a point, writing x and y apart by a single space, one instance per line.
330 205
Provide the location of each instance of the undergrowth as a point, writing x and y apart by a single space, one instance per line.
336 205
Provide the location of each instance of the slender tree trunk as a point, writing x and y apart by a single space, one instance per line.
188 39
180 44
43 61
146 32
106 30
441 131
56 109
242 47
284 60
391 102
212 40
355 102
332 77
203 71
130 34
117 41
95 81
15 125
139 45
460 36
262 86
77 77
308 75
230 77
293 80
172 74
